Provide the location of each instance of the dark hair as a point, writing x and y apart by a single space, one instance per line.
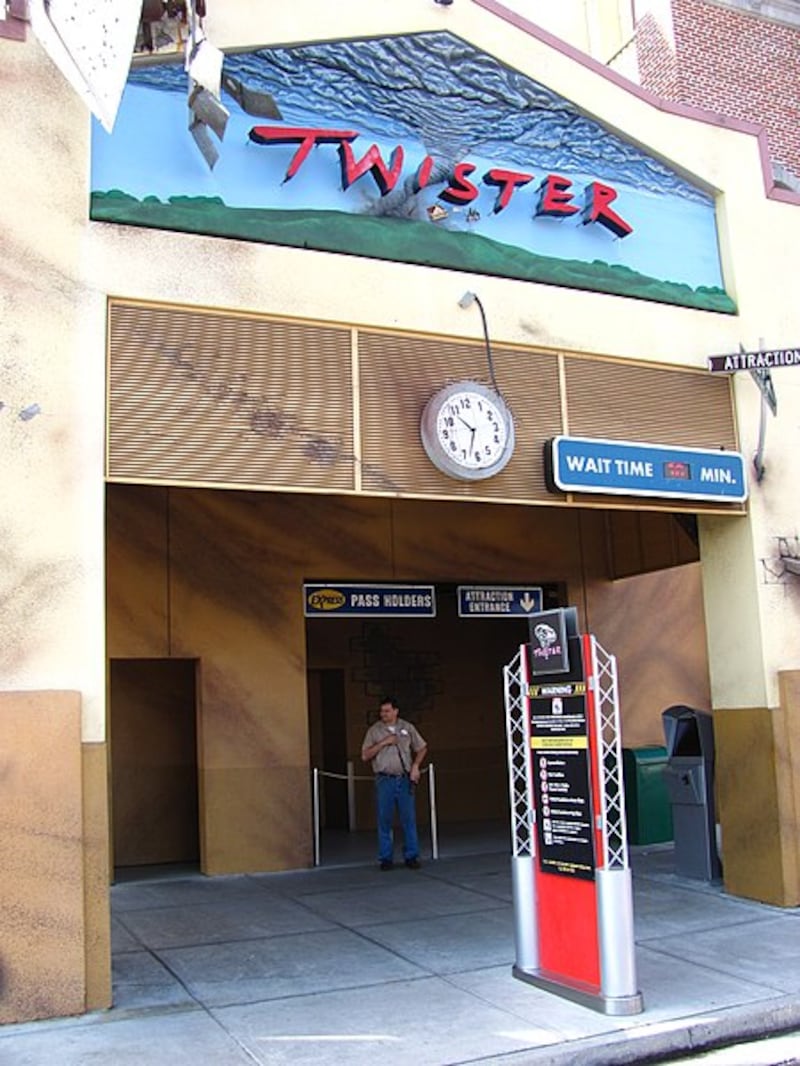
388 699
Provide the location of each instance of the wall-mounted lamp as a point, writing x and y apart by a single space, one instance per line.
763 380
467 300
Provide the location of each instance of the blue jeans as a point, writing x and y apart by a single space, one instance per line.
388 792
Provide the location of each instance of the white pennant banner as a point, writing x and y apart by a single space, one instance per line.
91 42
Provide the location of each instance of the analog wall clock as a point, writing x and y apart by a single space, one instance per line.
467 431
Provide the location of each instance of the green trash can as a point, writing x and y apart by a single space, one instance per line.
648 812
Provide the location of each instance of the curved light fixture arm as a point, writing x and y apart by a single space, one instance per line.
465 301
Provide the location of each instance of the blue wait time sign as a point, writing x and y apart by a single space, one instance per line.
623 468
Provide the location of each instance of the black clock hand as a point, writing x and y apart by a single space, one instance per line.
465 423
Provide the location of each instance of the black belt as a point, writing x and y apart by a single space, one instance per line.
380 773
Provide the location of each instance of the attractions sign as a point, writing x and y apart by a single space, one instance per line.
419 149
571 882
498 601
559 735
560 752
623 468
768 360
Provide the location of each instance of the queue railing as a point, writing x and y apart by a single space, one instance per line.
351 778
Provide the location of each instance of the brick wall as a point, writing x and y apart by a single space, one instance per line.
658 63
731 62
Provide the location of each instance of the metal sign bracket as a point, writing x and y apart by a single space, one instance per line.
763 379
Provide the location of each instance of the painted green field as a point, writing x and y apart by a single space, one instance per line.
395 239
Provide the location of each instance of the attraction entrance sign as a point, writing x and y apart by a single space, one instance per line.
573 900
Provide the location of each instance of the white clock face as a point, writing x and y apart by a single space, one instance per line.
472 430
467 431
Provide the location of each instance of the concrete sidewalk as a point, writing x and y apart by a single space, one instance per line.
349 964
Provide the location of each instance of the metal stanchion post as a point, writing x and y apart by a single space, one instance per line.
432 802
315 803
351 797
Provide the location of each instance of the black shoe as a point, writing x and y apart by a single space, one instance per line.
413 864
387 864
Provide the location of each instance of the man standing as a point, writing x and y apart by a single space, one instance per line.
396 750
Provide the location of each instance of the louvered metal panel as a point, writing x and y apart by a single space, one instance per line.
656 405
398 376
203 397
233 400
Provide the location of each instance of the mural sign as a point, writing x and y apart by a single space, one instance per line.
418 149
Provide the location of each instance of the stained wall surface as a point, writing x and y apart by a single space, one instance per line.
153 728
217 577
42 953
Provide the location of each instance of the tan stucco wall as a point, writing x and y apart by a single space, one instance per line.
397 295
96 876
58 270
54 304
52 318
54 949
599 27
661 660
758 770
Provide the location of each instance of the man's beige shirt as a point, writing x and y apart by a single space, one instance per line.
394 758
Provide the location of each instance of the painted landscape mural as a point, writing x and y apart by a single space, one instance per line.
417 149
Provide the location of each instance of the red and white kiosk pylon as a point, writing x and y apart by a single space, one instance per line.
572 891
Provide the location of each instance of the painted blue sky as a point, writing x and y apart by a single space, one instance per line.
435 95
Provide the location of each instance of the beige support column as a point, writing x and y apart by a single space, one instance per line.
55 945
756 707
788 743
54 952
96 877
